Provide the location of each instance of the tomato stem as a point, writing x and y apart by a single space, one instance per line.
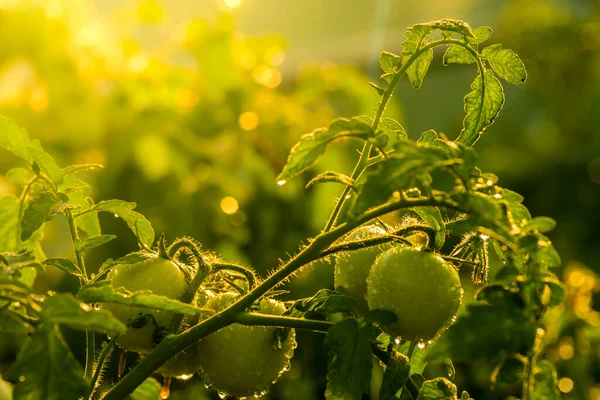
252 319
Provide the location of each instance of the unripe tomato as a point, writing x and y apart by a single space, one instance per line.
243 360
419 287
353 267
158 275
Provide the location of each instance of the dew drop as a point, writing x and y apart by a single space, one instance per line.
347 196
281 182
397 341
21 378
116 215
207 385
185 377
287 367
421 345
165 390
222 395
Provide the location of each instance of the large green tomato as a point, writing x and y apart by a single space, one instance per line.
419 287
353 267
243 360
162 277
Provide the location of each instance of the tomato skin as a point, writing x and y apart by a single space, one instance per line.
243 360
158 275
419 287
352 267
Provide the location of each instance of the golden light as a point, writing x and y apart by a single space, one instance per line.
566 351
274 56
269 77
246 59
39 100
248 121
53 9
232 3
229 205
565 385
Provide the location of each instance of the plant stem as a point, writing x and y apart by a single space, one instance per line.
100 366
252 319
172 344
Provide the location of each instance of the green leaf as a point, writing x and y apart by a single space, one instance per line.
510 372
65 309
394 131
481 34
379 90
19 176
540 224
545 385
418 69
397 173
486 330
540 249
349 366
482 106
428 137
40 210
415 38
15 139
148 390
45 368
505 63
102 292
417 360
65 265
388 62
311 146
47 164
96 241
78 168
433 218
15 262
395 376
381 317
138 224
10 324
456 54
438 389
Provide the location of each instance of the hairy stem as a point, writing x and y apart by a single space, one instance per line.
107 351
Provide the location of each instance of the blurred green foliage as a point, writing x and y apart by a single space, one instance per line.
196 127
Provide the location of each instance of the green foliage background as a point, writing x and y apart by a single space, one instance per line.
162 105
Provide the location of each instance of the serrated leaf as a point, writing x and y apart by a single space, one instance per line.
311 146
45 368
486 330
388 62
40 210
540 224
482 106
395 376
428 137
418 69
64 309
505 63
394 132
481 34
17 261
138 224
330 176
19 176
545 386
349 366
11 324
96 241
456 54
396 173
47 164
64 264
433 218
148 390
540 249
450 25
15 139
78 168
438 389
103 292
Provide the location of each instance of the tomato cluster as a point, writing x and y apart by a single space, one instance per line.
419 287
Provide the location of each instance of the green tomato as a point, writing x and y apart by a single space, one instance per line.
242 360
419 287
353 267
160 276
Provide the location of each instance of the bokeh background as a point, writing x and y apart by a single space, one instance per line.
192 106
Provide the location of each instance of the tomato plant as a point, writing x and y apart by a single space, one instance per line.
158 301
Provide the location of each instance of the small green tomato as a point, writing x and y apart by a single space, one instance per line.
161 277
242 360
353 267
419 287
